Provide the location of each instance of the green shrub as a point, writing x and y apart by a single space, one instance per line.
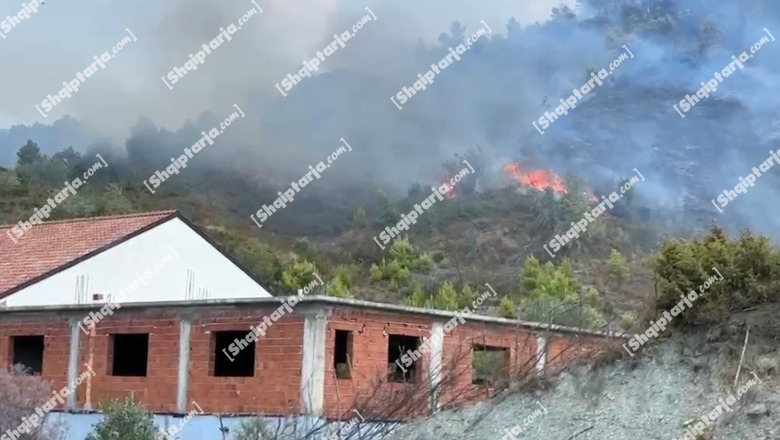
376 273
254 429
547 280
749 265
305 249
618 267
388 212
446 298
341 282
113 201
79 205
551 294
592 297
416 296
409 257
488 366
626 321
404 258
124 420
467 296
258 256
391 270
360 219
338 288
8 181
507 308
298 274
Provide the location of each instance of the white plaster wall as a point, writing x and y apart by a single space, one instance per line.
165 252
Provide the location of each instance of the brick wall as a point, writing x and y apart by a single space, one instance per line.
56 332
275 387
158 389
368 387
562 351
370 333
519 360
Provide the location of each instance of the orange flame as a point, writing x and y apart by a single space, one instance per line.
537 179
451 192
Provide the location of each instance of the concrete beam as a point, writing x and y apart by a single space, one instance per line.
434 366
541 354
73 360
185 325
310 300
315 332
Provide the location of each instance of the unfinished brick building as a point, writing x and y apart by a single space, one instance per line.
324 358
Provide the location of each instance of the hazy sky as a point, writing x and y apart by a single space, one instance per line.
62 37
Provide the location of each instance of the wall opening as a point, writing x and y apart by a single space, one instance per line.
489 365
129 353
397 347
342 355
233 355
28 351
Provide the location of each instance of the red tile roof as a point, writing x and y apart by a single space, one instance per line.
45 248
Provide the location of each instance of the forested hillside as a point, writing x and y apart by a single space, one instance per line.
526 188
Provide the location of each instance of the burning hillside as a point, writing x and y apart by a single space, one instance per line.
538 179
445 180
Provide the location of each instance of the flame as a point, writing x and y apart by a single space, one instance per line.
445 180
538 179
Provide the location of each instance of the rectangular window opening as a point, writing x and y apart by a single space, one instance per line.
489 365
397 347
28 351
342 355
234 356
129 353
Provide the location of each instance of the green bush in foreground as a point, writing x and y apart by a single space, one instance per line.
552 294
404 259
124 420
749 264
507 308
445 298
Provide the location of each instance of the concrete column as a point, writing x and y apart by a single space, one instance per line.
73 360
185 324
434 366
313 366
541 354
